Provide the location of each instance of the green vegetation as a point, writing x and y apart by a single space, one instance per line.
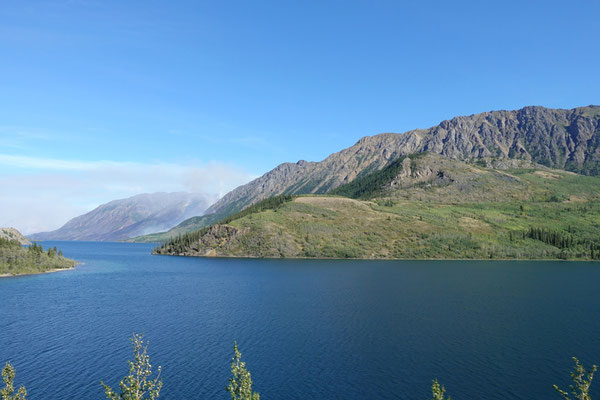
8 378
335 227
240 384
181 242
581 383
424 207
138 385
18 260
371 185
195 224
438 391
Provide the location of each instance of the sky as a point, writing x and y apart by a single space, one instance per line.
106 99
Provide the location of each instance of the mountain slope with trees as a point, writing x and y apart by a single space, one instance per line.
424 206
556 138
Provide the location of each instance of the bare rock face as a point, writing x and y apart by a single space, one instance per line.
563 139
13 234
126 218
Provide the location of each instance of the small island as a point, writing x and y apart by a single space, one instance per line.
18 260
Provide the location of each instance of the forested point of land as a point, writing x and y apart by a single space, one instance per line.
19 260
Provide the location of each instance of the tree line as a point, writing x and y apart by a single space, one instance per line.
561 240
16 259
372 184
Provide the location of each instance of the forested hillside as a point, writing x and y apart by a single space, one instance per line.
427 206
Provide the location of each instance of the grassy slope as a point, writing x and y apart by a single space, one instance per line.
18 260
479 217
339 227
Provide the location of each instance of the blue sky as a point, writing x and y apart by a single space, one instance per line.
227 90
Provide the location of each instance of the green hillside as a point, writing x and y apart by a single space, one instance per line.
427 207
18 260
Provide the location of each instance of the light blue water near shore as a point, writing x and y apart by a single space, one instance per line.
307 329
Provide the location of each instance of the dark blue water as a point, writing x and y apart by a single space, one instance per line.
307 329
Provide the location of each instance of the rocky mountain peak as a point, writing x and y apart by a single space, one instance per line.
564 139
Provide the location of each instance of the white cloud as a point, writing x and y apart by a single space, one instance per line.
40 194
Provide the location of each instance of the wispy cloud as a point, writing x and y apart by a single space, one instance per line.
26 133
52 164
41 194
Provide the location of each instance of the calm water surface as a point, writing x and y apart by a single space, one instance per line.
307 329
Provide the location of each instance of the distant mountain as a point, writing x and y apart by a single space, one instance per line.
189 225
563 139
13 234
126 218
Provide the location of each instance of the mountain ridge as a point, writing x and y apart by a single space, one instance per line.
13 234
133 216
560 138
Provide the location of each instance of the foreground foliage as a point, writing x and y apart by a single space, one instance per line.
240 384
16 259
438 391
138 385
8 378
581 383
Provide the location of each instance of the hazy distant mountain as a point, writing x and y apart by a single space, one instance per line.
126 218
13 234
564 139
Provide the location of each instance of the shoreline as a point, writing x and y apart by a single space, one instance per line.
50 271
376 259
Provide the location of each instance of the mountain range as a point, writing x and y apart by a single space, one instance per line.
560 139
555 138
125 218
563 139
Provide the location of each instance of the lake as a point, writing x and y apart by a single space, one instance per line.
310 329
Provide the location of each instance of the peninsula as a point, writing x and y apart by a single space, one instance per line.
18 260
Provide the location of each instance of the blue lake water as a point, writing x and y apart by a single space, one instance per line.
306 328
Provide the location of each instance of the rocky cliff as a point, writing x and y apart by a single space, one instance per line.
564 139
